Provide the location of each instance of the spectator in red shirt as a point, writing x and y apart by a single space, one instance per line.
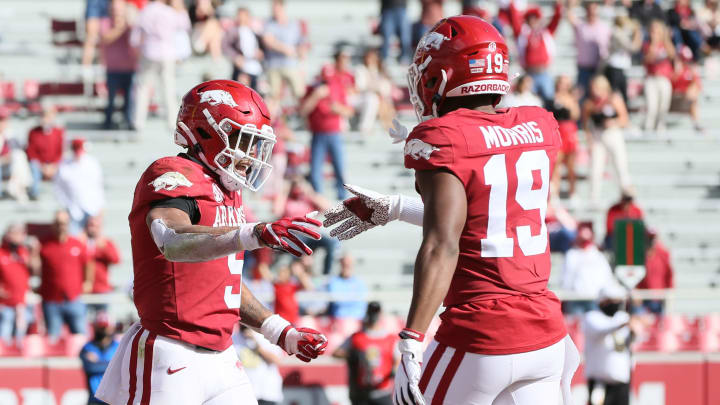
286 286
624 209
16 261
659 271
326 108
686 87
103 252
371 357
44 149
120 60
536 45
66 272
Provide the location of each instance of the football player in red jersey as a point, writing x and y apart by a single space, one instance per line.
483 175
188 235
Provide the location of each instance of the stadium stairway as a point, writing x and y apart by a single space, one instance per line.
676 174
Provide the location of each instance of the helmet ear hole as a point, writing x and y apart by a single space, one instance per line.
453 32
203 133
431 83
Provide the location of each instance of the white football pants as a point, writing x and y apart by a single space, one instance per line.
148 369
451 377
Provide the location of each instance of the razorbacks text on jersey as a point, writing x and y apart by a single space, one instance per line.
498 302
197 303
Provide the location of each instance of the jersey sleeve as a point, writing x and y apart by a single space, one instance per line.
186 204
170 178
432 147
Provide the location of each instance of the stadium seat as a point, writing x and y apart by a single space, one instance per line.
709 341
34 346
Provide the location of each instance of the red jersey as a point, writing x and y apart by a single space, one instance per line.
286 304
14 275
197 303
682 80
504 161
63 269
103 257
370 361
617 211
45 147
659 271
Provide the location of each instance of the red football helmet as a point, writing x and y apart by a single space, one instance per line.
460 56
227 126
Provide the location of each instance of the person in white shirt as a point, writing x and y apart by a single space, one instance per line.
522 95
240 45
260 360
586 270
79 186
156 36
607 346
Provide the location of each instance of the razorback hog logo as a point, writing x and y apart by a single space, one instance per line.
215 97
170 181
417 149
432 40
484 88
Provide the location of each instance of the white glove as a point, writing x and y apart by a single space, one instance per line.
399 133
407 378
365 210
368 209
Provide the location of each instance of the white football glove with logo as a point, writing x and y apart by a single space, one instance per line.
368 209
399 133
407 378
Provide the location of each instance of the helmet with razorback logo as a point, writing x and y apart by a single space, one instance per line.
226 125
460 56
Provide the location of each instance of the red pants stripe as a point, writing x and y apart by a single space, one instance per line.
430 368
447 378
147 369
133 365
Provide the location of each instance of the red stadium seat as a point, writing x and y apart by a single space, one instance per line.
711 322
65 33
709 341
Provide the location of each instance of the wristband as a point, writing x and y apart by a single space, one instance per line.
247 240
408 333
410 210
273 327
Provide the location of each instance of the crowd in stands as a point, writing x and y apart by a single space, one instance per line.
141 42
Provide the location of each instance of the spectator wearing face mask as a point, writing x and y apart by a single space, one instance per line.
97 353
586 271
79 186
607 346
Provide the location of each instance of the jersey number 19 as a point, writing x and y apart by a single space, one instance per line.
497 243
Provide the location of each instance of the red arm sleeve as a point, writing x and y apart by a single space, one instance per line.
516 19
556 18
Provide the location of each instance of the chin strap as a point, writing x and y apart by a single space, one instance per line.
440 93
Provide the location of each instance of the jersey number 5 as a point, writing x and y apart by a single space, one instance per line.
497 243
235 266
